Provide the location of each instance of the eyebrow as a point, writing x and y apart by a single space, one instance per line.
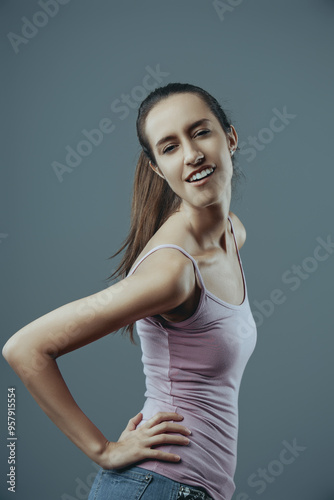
190 127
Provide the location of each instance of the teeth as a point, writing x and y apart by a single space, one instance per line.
201 174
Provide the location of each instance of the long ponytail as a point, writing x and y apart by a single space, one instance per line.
153 201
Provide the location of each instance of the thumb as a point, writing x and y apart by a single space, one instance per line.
134 421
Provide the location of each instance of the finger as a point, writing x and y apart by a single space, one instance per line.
160 416
164 427
162 455
160 439
134 421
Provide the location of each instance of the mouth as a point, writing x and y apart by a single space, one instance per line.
201 177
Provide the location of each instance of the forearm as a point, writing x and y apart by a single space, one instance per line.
41 376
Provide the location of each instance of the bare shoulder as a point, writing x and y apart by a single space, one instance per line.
167 268
161 282
169 264
240 229
173 231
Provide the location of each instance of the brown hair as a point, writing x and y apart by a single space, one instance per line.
153 200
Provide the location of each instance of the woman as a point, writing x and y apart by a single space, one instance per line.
184 286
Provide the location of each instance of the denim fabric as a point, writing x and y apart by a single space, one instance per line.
136 483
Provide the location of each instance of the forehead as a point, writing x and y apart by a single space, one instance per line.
173 114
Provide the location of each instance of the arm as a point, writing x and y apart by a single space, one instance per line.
33 350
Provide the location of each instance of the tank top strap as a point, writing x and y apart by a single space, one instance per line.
171 245
238 253
235 241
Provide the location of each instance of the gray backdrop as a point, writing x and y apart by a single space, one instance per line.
69 66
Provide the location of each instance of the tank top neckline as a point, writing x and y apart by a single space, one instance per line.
204 290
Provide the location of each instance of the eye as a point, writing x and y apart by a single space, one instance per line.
205 132
166 150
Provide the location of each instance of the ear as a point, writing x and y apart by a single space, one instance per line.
233 138
155 169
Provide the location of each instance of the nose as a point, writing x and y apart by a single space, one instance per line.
192 154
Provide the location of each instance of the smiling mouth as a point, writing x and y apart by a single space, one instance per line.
206 172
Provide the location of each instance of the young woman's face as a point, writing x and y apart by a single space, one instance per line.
182 147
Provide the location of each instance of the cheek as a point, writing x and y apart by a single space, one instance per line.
173 176
177 184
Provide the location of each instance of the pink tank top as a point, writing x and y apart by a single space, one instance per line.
194 367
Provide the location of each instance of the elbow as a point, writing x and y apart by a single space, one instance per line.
10 351
7 350
18 351
26 361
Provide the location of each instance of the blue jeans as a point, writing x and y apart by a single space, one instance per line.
136 483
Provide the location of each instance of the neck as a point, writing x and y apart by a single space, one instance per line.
208 225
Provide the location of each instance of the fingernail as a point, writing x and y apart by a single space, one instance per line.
188 430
